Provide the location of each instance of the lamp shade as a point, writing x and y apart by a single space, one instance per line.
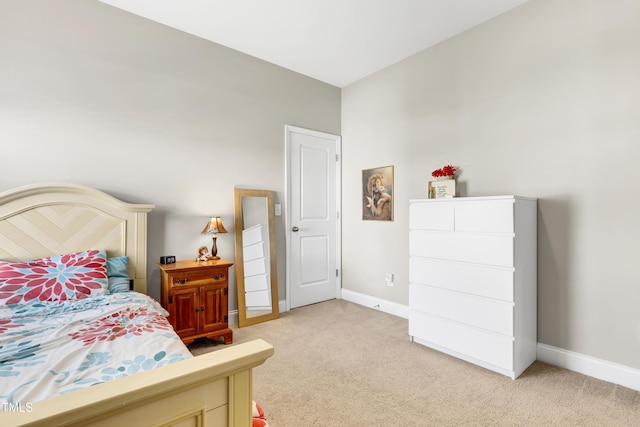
214 226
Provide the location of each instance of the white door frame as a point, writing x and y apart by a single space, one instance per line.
287 219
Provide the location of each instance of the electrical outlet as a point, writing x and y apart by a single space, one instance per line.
388 277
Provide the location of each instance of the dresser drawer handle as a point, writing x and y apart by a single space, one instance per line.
182 281
217 276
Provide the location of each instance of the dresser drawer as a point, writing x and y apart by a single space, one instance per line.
485 346
487 281
198 278
431 216
259 282
254 267
258 300
254 251
490 249
254 234
484 216
485 313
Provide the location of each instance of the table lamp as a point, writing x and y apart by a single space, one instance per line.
213 227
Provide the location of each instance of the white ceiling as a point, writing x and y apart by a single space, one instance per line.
335 41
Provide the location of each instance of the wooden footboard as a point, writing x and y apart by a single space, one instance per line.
214 389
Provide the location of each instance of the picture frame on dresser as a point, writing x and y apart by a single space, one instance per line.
377 194
445 189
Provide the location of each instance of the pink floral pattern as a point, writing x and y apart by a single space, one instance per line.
125 323
59 278
6 324
40 360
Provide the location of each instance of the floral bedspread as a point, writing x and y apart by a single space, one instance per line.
51 348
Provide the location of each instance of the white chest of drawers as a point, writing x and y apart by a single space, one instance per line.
473 279
257 280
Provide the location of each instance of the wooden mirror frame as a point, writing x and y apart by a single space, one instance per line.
243 320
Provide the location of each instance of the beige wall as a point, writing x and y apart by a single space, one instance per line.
542 101
96 96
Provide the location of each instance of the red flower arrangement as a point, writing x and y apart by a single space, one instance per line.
447 170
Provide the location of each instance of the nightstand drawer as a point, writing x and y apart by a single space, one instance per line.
197 278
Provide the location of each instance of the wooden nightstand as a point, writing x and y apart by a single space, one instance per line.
196 295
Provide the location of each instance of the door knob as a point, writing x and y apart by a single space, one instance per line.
295 229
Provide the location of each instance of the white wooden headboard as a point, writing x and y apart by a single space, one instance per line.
48 219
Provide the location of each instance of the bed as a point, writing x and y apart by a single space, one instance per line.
80 341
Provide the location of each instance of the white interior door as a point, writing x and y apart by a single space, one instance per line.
313 231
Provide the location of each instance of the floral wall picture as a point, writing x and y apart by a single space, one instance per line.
377 194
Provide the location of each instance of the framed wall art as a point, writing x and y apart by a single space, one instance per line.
377 194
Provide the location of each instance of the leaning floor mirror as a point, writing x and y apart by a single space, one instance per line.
256 274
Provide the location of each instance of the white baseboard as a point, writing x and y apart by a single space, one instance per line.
591 366
377 303
587 365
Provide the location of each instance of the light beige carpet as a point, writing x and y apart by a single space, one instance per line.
340 364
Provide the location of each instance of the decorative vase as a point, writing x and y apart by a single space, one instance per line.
444 178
